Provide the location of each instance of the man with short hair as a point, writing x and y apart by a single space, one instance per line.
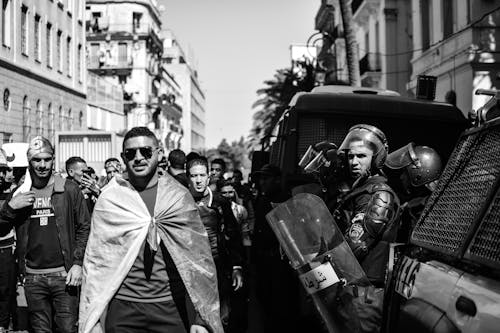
223 232
368 214
52 226
112 167
177 166
148 265
217 170
77 170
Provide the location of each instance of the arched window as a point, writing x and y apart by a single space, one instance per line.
26 119
61 118
6 100
39 118
70 120
80 120
52 122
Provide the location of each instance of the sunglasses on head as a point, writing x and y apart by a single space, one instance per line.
146 152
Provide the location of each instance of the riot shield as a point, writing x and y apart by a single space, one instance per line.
318 251
307 232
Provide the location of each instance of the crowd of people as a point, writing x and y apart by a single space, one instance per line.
178 243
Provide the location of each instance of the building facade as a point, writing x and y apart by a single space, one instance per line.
383 30
176 63
123 45
170 111
105 105
42 70
457 41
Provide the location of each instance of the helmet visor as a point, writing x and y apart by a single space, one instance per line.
316 163
361 136
310 154
402 157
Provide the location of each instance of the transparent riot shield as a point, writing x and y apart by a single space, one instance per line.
307 232
318 251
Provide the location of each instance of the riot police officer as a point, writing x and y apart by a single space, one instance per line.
368 214
420 169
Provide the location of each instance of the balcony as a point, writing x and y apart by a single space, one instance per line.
370 63
476 46
103 64
100 29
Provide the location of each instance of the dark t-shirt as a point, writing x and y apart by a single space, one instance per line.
44 249
136 287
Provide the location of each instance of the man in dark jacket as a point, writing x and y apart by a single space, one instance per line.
52 226
368 214
223 232
79 172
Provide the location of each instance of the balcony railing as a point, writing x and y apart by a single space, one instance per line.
102 25
102 60
370 63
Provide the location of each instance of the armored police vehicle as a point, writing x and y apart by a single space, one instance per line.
448 279
327 112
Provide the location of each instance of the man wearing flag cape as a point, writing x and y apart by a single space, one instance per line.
147 265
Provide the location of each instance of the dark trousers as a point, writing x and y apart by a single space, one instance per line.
48 293
7 286
238 317
277 292
135 317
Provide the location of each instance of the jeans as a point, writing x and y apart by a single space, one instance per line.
47 292
7 286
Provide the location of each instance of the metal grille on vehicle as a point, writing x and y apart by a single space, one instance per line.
458 201
311 131
486 244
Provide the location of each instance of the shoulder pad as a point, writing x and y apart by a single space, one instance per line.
381 210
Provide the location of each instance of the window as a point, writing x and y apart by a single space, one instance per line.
448 15
24 30
59 51
79 63
6 100
48 44
96 16
80 120
6 26
122 54
52 121
94 55
39 118
425 17
26 119
38 37
61 119
68 57
70 120
136 20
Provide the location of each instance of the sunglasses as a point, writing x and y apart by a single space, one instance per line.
146 152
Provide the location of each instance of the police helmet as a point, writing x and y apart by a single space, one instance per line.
422 163
371 137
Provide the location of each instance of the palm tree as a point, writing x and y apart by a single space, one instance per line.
350 43
274 98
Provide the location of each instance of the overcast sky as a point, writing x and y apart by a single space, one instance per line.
237 45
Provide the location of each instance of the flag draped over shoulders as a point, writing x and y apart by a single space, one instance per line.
120 224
